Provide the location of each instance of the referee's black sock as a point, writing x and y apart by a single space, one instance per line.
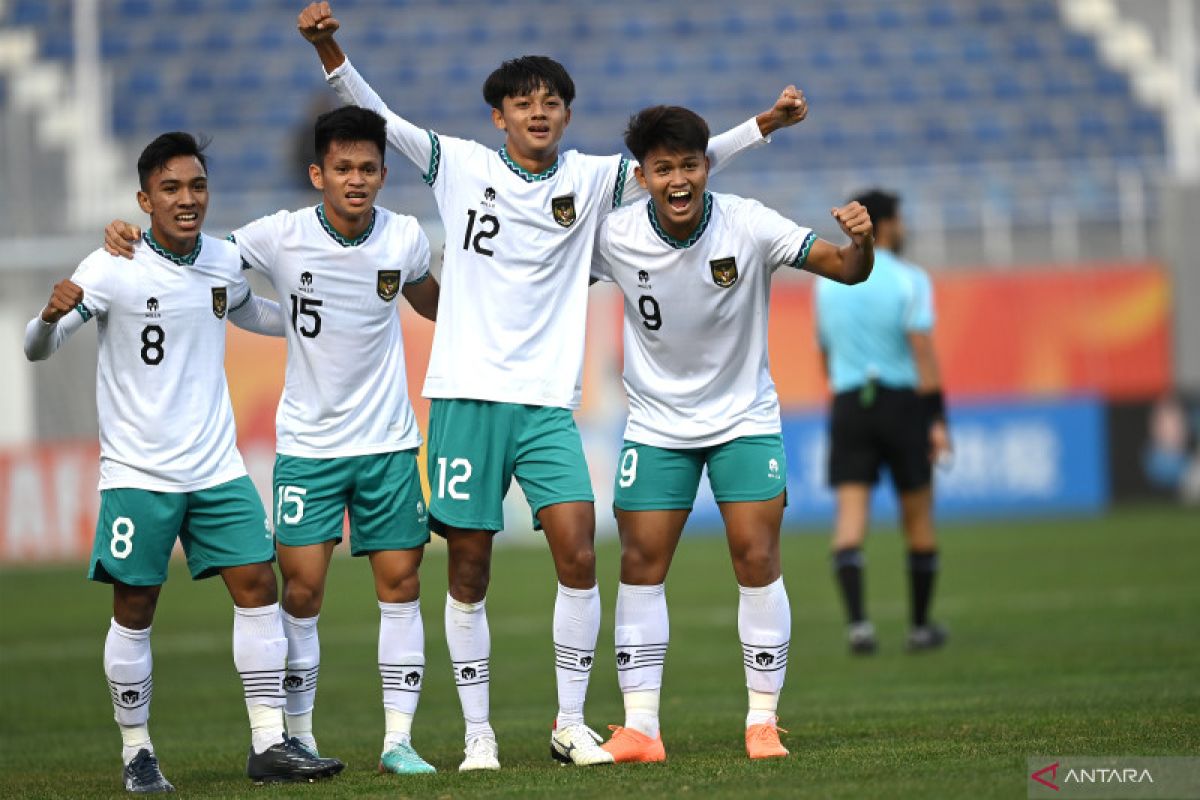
922 572
848 566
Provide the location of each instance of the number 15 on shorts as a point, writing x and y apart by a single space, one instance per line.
452 473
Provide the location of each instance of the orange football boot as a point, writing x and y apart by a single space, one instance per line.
762 741
630 747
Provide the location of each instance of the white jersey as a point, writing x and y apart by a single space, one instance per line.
346 391
519 246
695 331
166 423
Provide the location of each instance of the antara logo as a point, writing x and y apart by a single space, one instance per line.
1039 776
1090 775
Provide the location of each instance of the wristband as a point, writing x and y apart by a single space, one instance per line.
934 404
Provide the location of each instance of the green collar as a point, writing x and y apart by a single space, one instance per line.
696 234
183 261
337 237
524 174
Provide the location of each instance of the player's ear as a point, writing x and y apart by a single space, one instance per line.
498 119
567 121
382 173
315 176
640 174
144 202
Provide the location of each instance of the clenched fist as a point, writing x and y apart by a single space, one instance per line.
855 222
64 297
316 22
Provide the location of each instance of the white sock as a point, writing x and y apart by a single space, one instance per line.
765 628
470 645
303 666
401 667
127 666
260 655
642 632
576 626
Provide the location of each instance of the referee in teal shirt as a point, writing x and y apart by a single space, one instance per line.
888 410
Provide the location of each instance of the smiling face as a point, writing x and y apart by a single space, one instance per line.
349 177
176 198
675 182
534 123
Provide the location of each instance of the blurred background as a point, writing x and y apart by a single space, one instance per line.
1047 153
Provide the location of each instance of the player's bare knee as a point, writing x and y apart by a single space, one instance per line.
577 568
302 599
757 565
640 568
134 606
402 588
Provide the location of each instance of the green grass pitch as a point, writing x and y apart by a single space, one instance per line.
1071 637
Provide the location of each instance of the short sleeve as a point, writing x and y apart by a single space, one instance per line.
258 242
781 241
98 277
418 268
601 269
919 316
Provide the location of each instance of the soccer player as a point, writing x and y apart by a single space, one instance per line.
347 437
888 409
695 269
162 355
505 370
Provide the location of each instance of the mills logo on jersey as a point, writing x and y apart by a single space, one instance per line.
724 271
387 284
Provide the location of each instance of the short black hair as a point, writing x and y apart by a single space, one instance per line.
880 205
349 124
164 148
673 128
525 75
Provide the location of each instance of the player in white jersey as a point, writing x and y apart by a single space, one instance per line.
695 269
169 465
346 434
505 370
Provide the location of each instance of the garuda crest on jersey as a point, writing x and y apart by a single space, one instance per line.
387 284
724 271
220 301
564 210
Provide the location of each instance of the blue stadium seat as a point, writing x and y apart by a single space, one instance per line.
961 80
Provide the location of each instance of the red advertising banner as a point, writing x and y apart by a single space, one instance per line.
1031 333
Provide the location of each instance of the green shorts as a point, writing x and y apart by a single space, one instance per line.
477 447
746 469
382 492
222 526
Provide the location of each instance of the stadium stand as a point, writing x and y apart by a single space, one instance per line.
916 91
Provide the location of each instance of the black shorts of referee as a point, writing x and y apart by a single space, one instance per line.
874 425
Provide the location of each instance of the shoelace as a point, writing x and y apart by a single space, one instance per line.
764 731
147 770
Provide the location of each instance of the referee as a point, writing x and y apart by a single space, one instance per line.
877 342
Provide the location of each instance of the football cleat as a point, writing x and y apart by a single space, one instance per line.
481 752
861 638
926 637
629 746
289 762
142 775
578 744
762 740
403 760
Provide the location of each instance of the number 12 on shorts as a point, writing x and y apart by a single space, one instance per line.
448 484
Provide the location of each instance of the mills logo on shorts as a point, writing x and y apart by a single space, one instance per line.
724 271
564 210
220 301
387 285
